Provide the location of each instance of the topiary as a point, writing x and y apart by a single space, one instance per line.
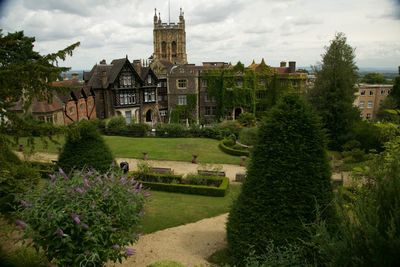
288 176
84 147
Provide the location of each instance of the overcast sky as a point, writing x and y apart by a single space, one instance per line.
216 30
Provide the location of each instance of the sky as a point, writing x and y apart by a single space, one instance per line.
216 30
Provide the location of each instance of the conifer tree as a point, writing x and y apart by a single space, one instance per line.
333 93
288 177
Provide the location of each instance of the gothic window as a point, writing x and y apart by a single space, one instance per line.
126 98
182 84
149 96
164 50
173 46
182 101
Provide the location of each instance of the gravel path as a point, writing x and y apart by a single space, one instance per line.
189 244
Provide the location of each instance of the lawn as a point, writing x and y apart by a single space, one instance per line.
164 210
179 149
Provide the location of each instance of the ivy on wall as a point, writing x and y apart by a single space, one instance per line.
188 111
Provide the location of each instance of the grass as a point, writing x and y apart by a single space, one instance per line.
165 210
179 149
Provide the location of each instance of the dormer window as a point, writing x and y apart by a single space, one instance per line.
126 80
149 79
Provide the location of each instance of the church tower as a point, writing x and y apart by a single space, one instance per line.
169 39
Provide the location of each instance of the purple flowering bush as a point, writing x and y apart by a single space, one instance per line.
84 220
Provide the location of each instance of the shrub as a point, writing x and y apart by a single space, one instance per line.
211 132
248 136
195 179
83 220
137 129
368 134
116 125
232 151
227 128
158 177
84 147
247 119
288 175
170 130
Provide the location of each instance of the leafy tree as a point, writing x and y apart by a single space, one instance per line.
333 93
374 78
390 108
288 176
85 147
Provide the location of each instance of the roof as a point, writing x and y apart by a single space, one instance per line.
67 83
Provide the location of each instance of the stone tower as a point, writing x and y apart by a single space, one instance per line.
169 39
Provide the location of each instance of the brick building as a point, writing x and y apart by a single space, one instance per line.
369 97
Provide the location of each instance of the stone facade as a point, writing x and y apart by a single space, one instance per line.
169 40
369 98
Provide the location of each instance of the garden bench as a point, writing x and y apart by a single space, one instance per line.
211 173
161 170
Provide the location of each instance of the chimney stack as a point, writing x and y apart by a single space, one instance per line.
75 76
283 64
292 66
103 62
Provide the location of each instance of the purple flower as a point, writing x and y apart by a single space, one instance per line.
129 252
60 232
79 190
25 204
63 173
21 224
86 183
116 247
75 218
53 178
123 180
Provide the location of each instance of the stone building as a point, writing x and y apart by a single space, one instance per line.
169 40
126 89
369 98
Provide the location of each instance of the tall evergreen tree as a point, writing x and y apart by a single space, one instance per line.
288 176
333 93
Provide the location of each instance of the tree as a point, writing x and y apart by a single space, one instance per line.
333 93
288 176
390 108
85 147
374 78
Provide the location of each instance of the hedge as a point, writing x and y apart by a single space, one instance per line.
196 179
191 189
232 151
158 177
44 169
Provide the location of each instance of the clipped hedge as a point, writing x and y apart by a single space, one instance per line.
191 189
196 179
231 151
158 177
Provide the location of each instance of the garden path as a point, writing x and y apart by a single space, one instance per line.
190 244
179 167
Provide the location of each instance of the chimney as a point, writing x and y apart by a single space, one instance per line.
137 65
292 66
103 62
283 64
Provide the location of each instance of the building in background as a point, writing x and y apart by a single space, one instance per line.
369 98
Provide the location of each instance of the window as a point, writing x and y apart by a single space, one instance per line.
368 115
362 92
362 104
382 92
210 110
149 96
182 84
261 94
370 104
204 83
126 98
128 116
163 113
149 79
125 80
239 83
371 92
182 100
261 81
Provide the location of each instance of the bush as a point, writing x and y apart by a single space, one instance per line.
195 179
116 125
287 177
232 151
247 119
211 132
83 220
84 147
354 156
368 134
158 177
191 189
44 169
137 129
248 136
170 130
227 128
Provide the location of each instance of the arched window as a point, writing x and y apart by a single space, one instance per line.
164 50
173 46
148 116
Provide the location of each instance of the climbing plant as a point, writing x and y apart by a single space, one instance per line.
180 112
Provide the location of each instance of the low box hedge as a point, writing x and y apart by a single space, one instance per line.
195 179
204 190
232 151
158 177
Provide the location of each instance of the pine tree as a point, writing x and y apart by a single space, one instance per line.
288 176
333 93
85 147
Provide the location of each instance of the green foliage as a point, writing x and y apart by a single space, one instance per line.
287 177
191 189
368 135
116 125
248 136
166 263
83 220
227 128
374 78
22 257
333 93
247 119
231 150
158 177
368 233
170 130
183 112
84 147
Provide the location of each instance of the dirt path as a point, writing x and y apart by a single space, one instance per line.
179 167
189 244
